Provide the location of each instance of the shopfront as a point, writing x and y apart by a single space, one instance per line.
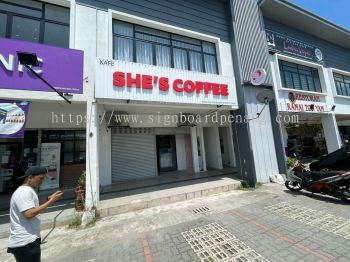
163 105
38 127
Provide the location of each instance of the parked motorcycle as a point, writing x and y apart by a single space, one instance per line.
333 183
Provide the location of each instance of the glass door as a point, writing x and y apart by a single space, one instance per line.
166 153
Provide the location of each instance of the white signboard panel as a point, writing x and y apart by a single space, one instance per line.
294 101
126 80
50 158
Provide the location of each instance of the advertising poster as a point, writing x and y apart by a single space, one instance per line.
13 116
50 158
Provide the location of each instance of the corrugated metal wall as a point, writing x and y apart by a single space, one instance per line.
250 38
133 154
205 16
334 56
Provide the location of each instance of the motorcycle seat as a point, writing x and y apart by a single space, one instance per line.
324 174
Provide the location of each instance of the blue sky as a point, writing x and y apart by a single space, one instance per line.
336 11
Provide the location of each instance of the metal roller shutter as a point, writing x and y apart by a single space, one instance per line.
133 154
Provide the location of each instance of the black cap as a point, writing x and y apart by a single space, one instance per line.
35 171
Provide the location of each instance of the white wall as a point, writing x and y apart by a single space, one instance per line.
212 147
181 152
331 132
262 139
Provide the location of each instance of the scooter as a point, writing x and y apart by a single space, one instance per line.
333 183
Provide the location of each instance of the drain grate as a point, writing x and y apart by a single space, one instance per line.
327 222
214 243
201 210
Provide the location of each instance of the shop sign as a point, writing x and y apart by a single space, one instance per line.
13 116
258 77
50 158
299 102
131 81
61 67
290 46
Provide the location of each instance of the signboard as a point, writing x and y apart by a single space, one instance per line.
50 158
302 102
258 77
132 81
61 67
13 116
290 46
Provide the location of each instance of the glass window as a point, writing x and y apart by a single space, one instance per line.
57 13
25 29
35 21
80 157
68 146
342 84
68 158
123 49
299 77
144 53
135 43
80 145
57 35
180 59
3 23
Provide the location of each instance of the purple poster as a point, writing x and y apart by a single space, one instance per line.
61 67
13 117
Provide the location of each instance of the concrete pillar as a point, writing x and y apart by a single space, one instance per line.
331 132
194 149
230 146
202 147
92 169
212 144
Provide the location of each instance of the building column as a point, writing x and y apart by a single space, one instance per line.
331 132
194 149
212 142
92 194
230 146
202 147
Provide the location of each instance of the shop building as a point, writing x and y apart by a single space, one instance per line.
309 59
54 131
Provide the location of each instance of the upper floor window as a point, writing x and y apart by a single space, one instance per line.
299 77
34 21
342 84
144 45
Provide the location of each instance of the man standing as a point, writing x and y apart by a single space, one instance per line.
24 241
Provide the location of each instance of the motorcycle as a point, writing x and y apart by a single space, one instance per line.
332 183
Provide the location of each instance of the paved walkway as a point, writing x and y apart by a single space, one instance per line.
268 224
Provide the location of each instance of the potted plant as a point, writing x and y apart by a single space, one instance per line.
80 193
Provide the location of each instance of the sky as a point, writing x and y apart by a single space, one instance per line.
336 11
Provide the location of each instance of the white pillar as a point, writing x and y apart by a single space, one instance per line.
230 146
194 149
202 147
212 143
331 132
92 171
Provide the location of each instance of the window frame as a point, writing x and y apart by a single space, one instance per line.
134 39
42 20
278 57
334 86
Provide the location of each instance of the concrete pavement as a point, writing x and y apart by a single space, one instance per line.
268 224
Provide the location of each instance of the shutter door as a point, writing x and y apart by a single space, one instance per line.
133 154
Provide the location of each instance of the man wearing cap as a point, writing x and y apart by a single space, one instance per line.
24 241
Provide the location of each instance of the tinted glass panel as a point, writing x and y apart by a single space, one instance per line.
180 58
209 48
196 61
122 28
144 53
25 29
163 56
210 64
20 10
57 35
28 3
3 23
123 49
57 13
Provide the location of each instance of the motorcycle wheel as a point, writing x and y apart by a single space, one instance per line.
293 185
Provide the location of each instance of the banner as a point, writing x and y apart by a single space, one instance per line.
290 46
13 116
50 158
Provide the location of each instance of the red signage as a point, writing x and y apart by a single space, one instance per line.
122 79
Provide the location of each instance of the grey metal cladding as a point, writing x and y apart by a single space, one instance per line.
250 38
334 56
206 16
